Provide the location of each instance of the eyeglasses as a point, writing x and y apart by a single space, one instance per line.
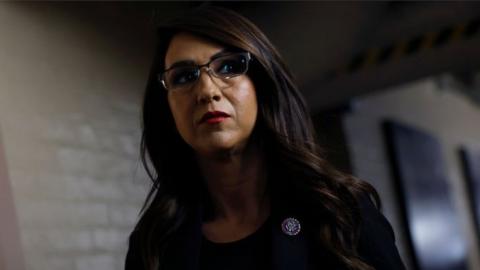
224 67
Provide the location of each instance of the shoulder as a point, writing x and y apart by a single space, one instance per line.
377 239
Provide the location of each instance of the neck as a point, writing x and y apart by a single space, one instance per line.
237 185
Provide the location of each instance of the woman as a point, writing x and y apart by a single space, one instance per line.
238 181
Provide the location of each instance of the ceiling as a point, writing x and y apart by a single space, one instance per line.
328 45
319 39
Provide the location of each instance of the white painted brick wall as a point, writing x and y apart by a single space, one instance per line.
100 261
70 97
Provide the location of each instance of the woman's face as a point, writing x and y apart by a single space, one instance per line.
233 101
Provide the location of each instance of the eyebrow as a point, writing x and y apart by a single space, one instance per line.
192 63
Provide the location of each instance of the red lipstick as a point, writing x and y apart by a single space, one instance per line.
214 117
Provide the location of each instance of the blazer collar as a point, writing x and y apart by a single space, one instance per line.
288 252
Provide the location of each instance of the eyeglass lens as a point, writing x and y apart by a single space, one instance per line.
223 67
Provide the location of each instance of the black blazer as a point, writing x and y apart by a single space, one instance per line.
376 246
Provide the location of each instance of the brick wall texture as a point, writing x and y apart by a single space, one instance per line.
70 97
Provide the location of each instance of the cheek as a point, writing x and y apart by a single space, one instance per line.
246 100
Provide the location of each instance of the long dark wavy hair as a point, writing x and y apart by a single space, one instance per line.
324 197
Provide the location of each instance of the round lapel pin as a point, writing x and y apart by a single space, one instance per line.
291 226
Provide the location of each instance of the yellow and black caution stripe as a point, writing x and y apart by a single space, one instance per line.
430 40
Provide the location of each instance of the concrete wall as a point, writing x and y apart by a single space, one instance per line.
434 106
71 83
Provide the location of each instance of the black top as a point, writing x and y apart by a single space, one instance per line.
252 252
189 251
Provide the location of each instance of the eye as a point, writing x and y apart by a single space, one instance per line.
230 65
227 67
181 76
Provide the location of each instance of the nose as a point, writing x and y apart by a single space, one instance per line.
206 88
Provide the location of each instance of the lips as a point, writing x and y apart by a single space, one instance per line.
214 117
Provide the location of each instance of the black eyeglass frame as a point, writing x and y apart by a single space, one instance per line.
198 69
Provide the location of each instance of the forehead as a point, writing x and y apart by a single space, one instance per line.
185 46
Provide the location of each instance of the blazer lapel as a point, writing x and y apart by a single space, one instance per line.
288 252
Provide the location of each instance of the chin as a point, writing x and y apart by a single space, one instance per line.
221 148
220 143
